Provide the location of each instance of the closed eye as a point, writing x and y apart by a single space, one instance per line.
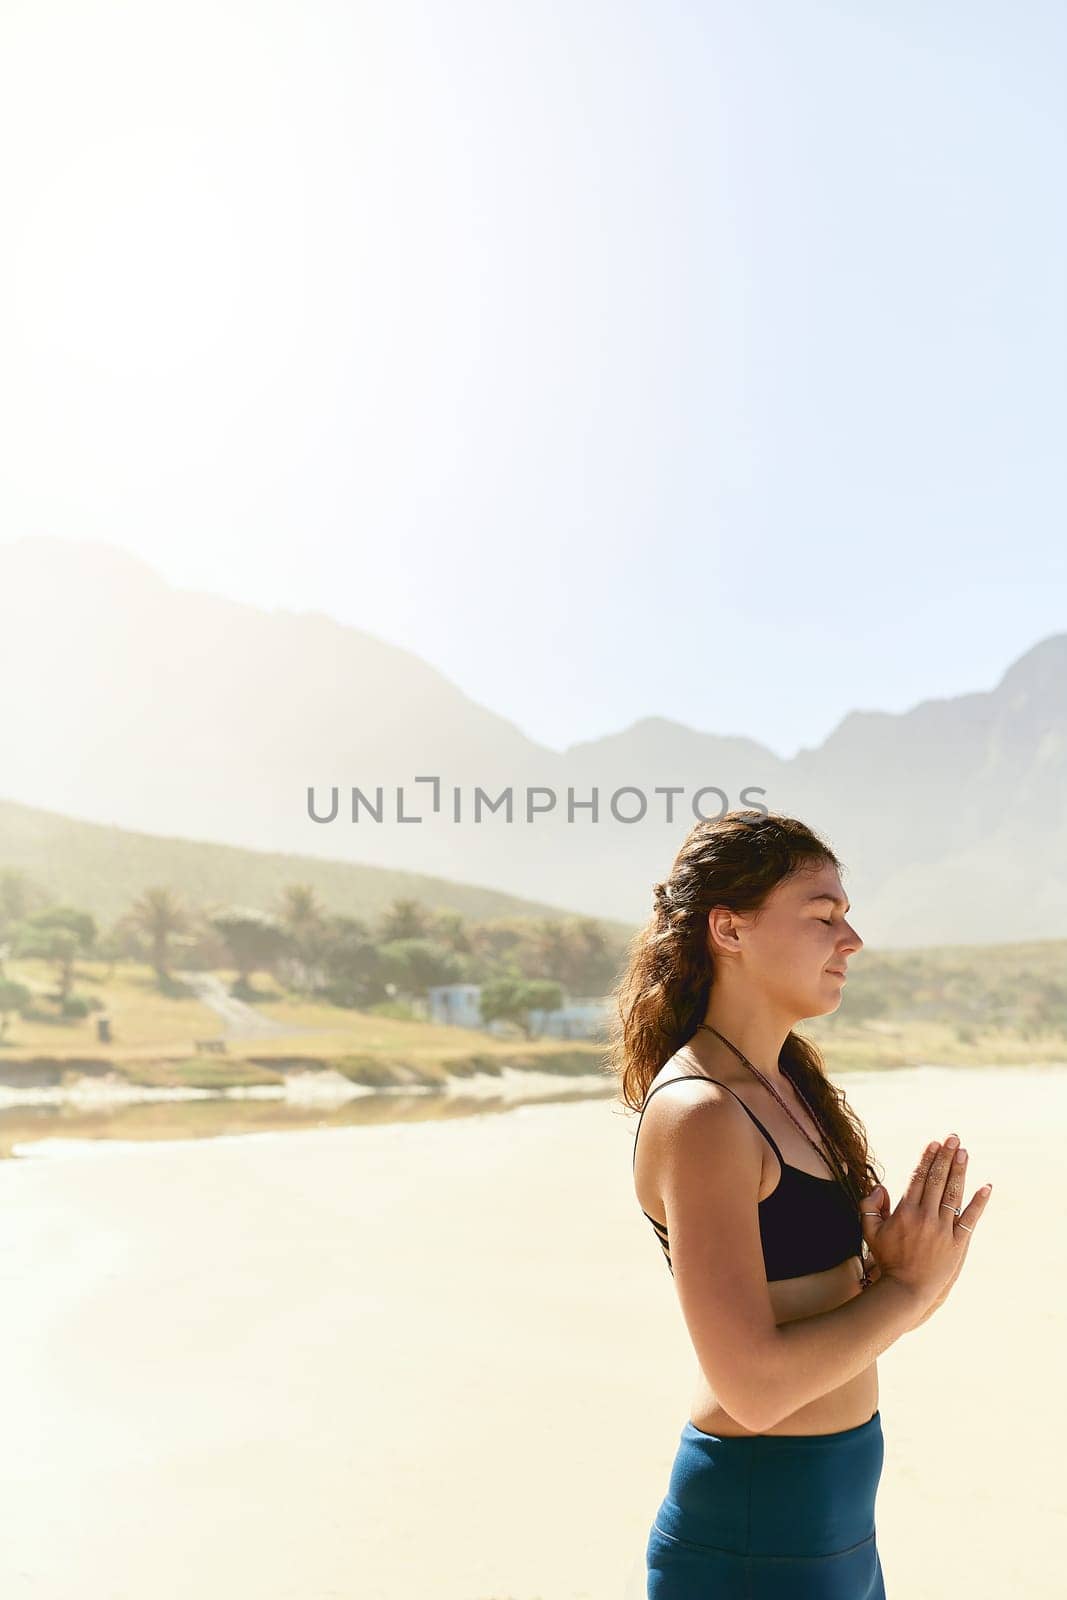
827 920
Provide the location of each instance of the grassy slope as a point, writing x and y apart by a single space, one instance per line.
102 869
154 1034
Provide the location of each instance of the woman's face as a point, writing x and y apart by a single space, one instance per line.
797 948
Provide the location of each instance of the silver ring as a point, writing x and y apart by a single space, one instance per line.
870 1213
956 1209
964 1226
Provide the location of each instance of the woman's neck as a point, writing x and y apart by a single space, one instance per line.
756 1036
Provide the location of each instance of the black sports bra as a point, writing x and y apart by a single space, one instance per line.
806 1223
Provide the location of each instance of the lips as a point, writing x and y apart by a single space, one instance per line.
837 972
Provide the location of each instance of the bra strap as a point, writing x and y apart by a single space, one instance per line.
685 1077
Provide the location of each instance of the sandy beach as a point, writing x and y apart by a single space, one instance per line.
445 1360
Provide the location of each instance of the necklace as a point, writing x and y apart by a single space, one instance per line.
827 1155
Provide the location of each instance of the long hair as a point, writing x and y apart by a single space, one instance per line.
734 861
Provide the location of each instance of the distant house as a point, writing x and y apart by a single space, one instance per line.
578 1019
458 1004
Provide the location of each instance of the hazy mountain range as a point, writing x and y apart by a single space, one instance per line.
130 702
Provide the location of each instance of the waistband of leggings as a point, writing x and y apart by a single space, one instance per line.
771 1442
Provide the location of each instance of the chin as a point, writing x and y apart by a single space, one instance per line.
824 1005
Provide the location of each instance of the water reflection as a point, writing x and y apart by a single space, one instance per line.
210 1117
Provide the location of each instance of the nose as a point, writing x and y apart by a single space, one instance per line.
853 942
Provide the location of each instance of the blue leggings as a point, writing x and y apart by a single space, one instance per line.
770 1516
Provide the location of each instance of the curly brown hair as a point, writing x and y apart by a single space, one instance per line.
734 861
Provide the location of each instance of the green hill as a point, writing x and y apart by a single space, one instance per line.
102 869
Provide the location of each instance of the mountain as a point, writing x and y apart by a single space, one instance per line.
167 711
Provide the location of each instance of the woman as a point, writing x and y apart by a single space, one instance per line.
792 1272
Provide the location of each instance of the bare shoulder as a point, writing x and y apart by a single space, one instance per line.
691 1129
682 1088
679 1087
685 1098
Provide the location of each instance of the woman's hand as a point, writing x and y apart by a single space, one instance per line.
874 1271
922 1243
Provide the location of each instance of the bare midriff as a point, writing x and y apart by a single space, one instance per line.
847 1406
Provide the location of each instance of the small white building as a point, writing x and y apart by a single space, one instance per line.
458 1004
578 1019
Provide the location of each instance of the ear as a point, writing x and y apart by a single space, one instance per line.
723 928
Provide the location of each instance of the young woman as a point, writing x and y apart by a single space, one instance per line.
792 1273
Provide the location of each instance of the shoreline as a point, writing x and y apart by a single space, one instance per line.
324 1087
328 1087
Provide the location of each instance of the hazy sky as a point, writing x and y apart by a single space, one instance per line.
695 360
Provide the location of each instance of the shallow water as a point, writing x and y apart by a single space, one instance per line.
66 1124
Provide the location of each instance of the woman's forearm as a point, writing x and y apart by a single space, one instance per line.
812 1355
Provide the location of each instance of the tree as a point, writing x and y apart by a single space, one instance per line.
300 910
157 914
304 919
253 938
512 999
415 965
450 929
548 950
495 945
20 896
575 952
572 951
405 919
59 934
352 962
13 996
593 962
541 995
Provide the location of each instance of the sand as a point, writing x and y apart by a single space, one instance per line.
444 1361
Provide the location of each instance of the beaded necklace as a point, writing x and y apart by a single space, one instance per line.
829 1155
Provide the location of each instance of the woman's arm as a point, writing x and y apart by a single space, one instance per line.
812 1355
709 1166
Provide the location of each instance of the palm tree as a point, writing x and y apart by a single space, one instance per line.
20 896
405 919
158 914
300 910
304 919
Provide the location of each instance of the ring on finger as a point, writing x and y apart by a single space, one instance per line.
957 1209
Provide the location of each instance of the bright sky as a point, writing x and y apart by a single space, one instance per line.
695 360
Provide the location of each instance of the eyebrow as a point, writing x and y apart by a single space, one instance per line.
832 899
